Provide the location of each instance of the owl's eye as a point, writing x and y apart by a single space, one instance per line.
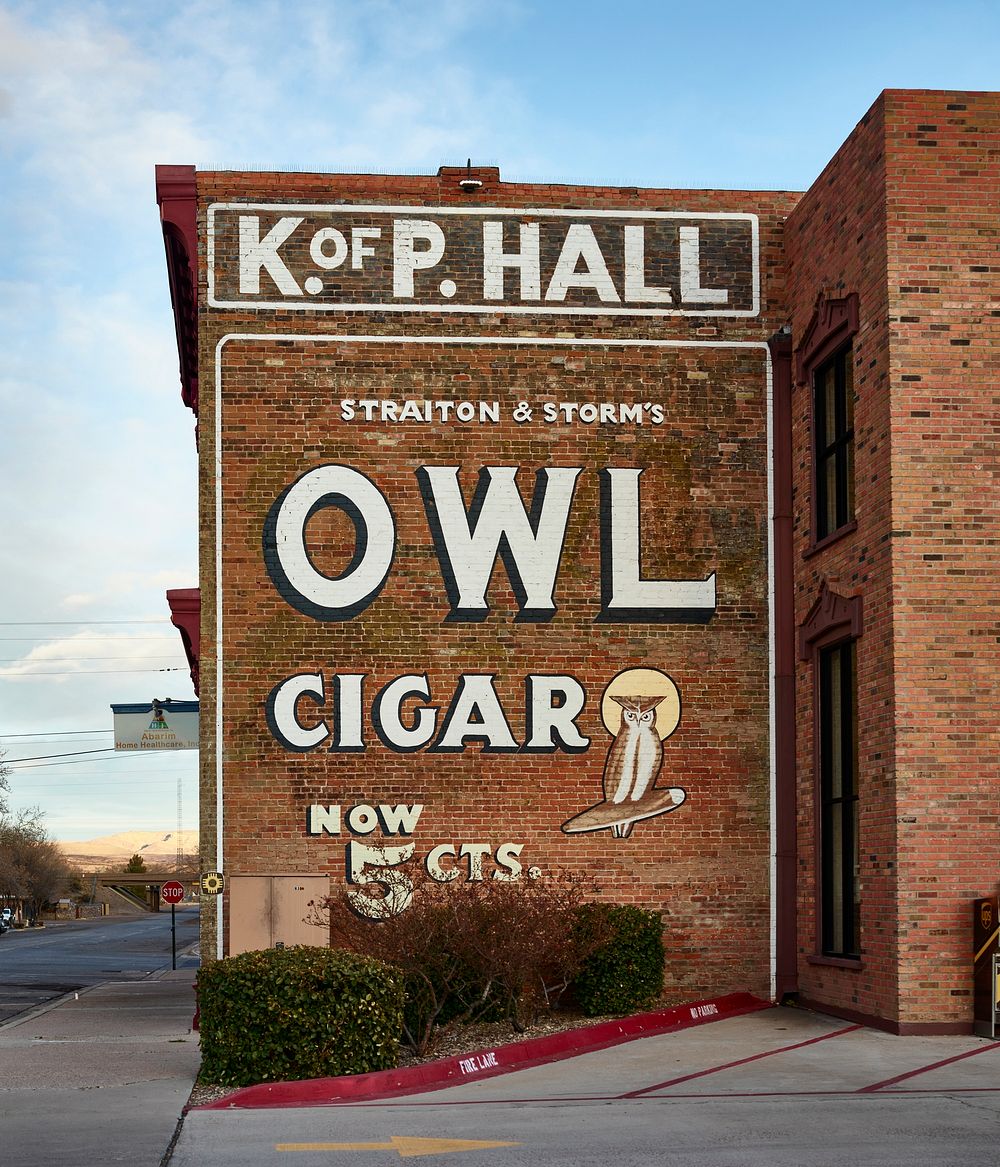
647 717
629 715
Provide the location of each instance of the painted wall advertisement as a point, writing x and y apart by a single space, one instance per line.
492 604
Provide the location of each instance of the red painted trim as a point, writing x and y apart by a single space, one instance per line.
177 198
185 615
740 1062
933 1029
518 1056
926 1069
888 1024
949 1090
785 820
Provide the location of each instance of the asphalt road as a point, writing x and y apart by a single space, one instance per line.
741 1132
38 964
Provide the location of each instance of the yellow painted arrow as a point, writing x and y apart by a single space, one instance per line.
408 1148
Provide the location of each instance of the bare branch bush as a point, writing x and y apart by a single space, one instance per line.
417 942
524 940
474 949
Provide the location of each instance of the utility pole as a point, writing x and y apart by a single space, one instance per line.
180 822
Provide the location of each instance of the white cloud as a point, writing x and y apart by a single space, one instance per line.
86 109
128 588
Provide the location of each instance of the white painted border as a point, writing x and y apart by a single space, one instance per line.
772 661
219 856
582 213
509 341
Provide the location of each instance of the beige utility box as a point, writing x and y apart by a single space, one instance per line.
266 910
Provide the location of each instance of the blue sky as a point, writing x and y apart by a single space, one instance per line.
98 477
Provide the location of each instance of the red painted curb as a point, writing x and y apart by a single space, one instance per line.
487 1063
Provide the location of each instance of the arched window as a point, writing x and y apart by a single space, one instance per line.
828 637
825 362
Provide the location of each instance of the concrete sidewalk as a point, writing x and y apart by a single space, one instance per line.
779 1087
99 1077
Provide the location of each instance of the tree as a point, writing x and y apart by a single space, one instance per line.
136 865
4 784
32 868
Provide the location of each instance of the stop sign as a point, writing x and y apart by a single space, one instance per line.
172 891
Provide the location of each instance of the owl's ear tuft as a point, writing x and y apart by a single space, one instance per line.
632 704
647 703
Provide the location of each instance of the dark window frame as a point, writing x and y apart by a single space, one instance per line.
837 797
828 343
833 623
833 402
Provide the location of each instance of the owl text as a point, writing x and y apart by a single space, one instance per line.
468 540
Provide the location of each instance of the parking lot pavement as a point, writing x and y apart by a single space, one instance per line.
781 1087
782 1051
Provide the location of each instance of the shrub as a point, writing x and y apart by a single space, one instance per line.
472 951
294 1013
624 973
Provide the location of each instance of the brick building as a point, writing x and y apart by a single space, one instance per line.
642 532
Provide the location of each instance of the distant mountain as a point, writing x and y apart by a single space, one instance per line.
158 849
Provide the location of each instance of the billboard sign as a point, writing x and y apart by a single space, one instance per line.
156 725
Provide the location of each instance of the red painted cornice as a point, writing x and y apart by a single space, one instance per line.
177 198
185 615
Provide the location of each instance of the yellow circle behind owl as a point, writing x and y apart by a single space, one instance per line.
642 683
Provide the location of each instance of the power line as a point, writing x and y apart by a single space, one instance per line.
97 781
56 733
76 753
76 623
118 774
81 761
64 660
45 765
161 786
77 639
73 787
109 777
85 673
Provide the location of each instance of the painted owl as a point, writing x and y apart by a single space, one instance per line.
635 756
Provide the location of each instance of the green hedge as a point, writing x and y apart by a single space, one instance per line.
625 974
293 1013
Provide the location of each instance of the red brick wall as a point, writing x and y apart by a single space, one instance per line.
836 246
705 865
944 272
904 216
